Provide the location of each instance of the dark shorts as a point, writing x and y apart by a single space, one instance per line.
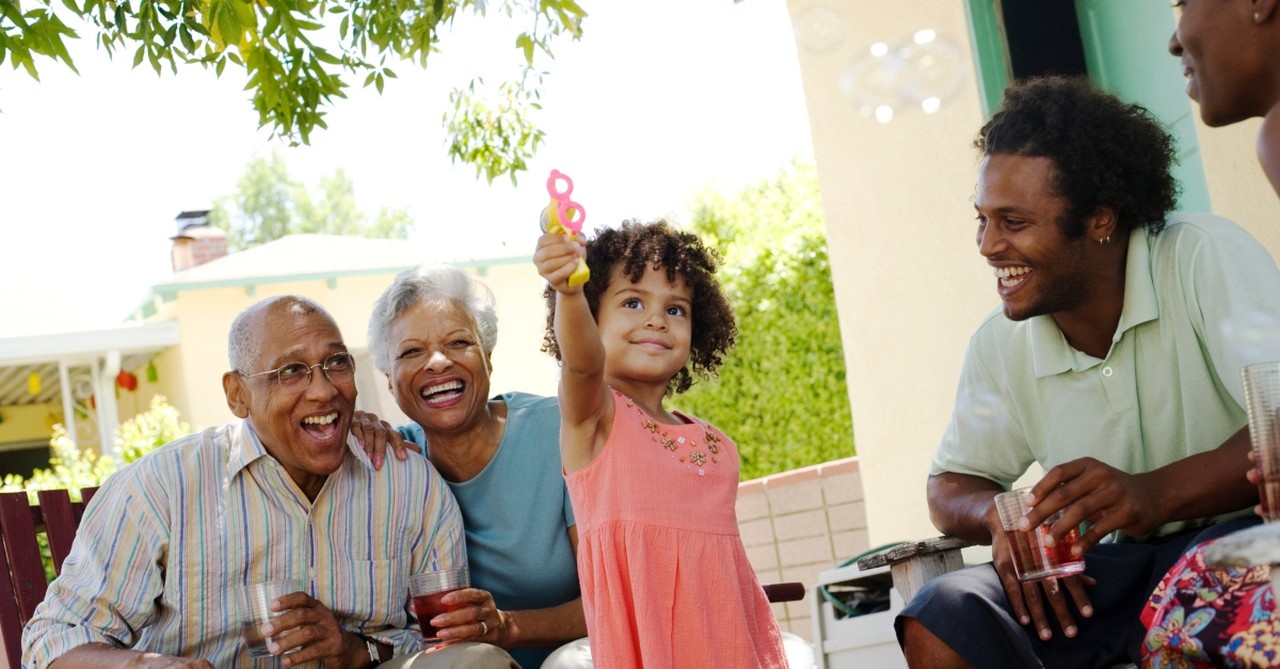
968 609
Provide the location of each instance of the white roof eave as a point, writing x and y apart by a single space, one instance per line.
52 347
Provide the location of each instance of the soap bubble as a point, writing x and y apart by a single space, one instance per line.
982 412
819 28
920 72
1251 336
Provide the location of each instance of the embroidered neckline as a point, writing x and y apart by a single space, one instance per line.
697 455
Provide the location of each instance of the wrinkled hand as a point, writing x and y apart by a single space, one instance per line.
376 435
1028 599
311 629
1089 490
557 257
463 623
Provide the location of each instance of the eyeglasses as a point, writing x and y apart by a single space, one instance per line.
338 368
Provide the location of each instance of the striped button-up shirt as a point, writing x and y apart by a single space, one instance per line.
167 539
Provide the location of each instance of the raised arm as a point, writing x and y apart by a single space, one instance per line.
585 409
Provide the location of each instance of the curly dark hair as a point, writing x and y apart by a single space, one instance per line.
1107 153
636 247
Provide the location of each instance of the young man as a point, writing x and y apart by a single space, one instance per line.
1109 365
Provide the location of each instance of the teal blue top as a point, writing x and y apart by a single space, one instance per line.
516 515
1201 300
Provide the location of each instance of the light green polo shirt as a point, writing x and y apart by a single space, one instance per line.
1202 299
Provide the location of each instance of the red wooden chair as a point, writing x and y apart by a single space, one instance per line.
22 576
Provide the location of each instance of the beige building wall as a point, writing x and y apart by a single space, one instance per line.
910 284
24 424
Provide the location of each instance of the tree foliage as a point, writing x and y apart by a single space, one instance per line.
269 204
299 55
781 394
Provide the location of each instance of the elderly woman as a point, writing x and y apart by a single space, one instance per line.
432 333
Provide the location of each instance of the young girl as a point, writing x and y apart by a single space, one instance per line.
665 579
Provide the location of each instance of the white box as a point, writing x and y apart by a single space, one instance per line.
859 642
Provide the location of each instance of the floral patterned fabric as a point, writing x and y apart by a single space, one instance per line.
1200 616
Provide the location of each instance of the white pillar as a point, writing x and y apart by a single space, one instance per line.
68 402
108 410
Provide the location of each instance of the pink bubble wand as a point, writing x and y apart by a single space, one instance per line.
563 216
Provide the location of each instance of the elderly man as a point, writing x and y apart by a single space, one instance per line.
1112 366
282 493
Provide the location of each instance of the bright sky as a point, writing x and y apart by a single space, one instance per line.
660 99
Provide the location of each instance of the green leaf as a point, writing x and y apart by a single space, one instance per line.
525 43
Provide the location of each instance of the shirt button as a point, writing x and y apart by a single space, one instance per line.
1106 371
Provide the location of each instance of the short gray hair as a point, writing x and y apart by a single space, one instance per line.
244 343
431 283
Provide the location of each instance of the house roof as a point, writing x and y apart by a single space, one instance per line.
303 255
309 257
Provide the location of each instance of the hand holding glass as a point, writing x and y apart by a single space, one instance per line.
428 589
1032 559
253 603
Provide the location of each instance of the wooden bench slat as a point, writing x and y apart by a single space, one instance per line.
59 524
911 549
24 555
10 618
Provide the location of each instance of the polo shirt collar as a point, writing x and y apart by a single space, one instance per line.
1051 354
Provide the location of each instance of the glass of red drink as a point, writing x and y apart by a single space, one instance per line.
426 591
1033 560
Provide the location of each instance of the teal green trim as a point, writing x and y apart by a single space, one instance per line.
332 283
251 290
1126 53
169 291
990 52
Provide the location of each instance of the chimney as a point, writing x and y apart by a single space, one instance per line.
197 242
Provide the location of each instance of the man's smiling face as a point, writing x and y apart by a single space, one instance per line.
304 427
1038 268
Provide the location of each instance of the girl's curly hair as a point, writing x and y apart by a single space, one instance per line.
636 247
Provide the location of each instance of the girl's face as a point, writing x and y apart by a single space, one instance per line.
646 327
439 371
1225 69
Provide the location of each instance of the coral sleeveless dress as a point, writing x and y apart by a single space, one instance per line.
665 578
